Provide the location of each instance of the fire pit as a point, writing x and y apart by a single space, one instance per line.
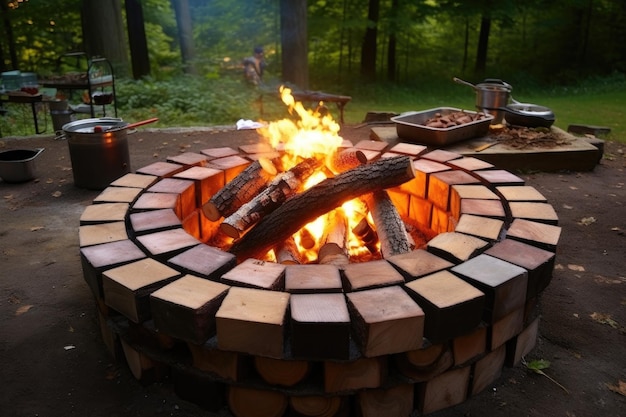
438 294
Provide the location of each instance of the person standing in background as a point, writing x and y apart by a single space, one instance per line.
254 66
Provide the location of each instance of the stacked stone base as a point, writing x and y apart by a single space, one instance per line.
417 332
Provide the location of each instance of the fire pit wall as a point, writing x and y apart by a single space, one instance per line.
420 331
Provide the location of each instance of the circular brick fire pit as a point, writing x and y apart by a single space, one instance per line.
424 330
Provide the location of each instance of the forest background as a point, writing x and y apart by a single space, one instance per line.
180 60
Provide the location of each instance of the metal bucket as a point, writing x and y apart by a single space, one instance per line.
100 157
491 96
18 165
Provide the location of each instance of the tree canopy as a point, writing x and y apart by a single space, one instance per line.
348 41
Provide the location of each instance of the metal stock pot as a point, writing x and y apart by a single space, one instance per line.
491 95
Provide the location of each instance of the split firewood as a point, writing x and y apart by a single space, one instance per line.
364 231
346 159
287 253
319 199
283 186
394 239
240 189
333 244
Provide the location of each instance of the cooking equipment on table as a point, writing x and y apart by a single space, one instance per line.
411 126
491 95
18 165
494 97
99 150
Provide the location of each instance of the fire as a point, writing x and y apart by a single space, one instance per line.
313 134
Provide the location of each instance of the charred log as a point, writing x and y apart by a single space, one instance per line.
392 234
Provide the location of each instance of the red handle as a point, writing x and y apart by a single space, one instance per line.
143 122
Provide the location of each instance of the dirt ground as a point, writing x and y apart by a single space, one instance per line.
53 361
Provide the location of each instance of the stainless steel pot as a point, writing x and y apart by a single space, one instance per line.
98 157
491 95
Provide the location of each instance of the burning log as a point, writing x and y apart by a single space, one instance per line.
287 253
346 159
333 245
363 230
240 190
394 239
282 187
318 200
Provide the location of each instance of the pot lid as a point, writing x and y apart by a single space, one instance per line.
87 125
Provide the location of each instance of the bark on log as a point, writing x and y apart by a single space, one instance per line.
363 230
333 244
239 190
325 196
394 239
283 186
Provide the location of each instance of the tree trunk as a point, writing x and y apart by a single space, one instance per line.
10 40
368 50
185 35
483 43
137 39
320 199
103 33
392 42
293 35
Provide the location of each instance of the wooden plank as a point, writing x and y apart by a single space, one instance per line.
252 321
280 372
503 283
451 305
443 391
250 402
127 288
424 364
385 320
487 370
357 374
185 309
320 326
391 402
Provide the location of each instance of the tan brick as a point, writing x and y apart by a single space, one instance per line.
419 263
441 155
135 180
228 365
156 201
460 192
127 288
451 305
484 208
189 159
500 177
440 186
231 165
259 147
425 363
456 247
420 211
506 328
204 261
101 233
312 278
391 402
215 153
320 326
208 182
442 221
535 234
503 283
538 262
522 344
154 220
520 193
185 309
104 212
191 224
410 149
252 321
186 189
117 195
540 212
255 273
423 168
400 200
470 163
385 320
372 145
161 169
370 275
479 226
167 242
